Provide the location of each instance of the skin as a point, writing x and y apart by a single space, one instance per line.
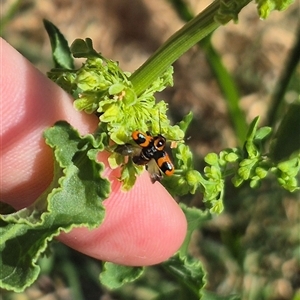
142 227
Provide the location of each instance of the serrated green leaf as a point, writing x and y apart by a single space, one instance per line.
74 199
237 180
83 48
60 49
79 46
291 166
250 146
116 88
231 157
262 133
184 157
265 7
229 10
246 167
252 129
185 123
129 174
194 179
188 271
115 160
114 276
211 159
217 204
288 173
261 172
195 218
18 256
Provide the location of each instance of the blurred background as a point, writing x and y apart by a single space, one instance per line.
253 248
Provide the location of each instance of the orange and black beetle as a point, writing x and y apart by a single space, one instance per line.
150 153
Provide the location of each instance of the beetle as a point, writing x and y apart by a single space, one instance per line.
150 153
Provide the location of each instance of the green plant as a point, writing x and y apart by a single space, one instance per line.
101 87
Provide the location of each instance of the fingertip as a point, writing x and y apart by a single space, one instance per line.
144 226
30 103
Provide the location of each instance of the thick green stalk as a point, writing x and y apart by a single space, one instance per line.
224 79
181 41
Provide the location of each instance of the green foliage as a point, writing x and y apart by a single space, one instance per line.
255 165
114 276
188 271
124 103
229 10
265 7
60 49
100 86
247 164
73 199
195 219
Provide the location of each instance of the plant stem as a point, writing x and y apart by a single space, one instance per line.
179 43
224 79
174 47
